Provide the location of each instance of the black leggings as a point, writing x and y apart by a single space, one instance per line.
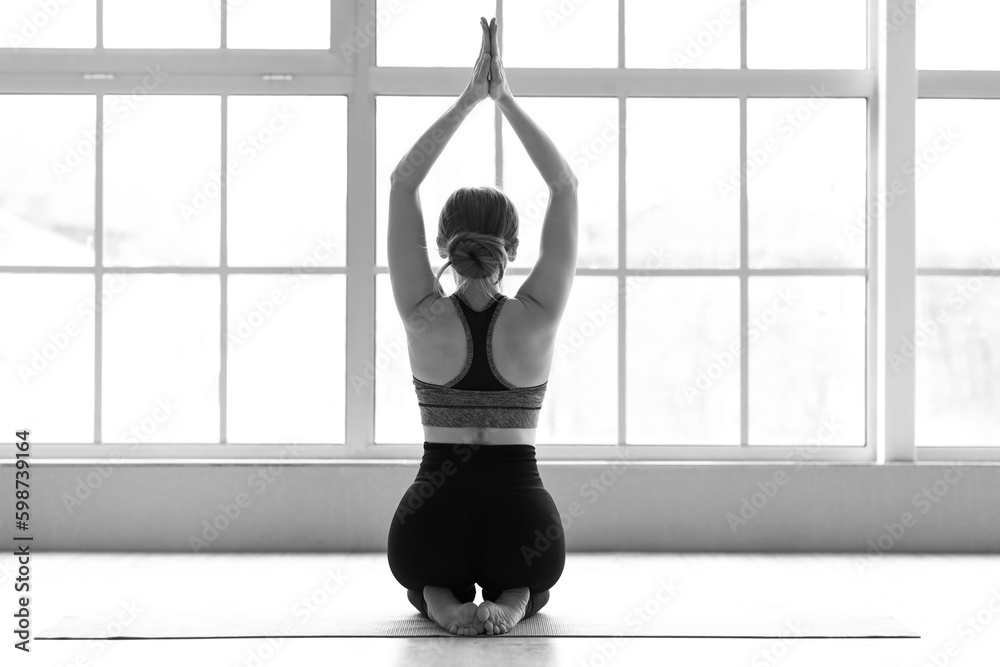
477 514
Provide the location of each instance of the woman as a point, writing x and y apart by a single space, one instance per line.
477 511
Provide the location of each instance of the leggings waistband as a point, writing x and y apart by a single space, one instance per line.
471 463
440 451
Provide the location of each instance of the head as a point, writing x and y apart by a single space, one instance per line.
477 234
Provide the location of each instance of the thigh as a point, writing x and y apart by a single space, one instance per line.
430 539
522 542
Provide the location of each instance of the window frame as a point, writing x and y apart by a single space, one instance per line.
889 84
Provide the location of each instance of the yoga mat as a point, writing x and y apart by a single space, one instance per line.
736 622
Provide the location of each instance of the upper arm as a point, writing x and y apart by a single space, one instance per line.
409 265
550 281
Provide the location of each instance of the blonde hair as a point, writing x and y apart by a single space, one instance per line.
477 234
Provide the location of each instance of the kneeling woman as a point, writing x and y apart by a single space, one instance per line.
480 361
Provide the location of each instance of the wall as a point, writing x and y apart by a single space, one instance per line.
347 506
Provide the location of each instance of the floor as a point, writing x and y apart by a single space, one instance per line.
952 601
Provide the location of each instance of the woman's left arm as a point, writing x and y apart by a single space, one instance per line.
409 267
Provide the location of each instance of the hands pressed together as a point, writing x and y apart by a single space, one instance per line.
488 78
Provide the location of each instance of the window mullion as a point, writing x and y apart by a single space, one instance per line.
744 281
897 133
223 275
98 263
360 313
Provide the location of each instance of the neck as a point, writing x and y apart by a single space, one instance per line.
479 293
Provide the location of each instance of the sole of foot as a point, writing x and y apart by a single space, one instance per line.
500 617
455 617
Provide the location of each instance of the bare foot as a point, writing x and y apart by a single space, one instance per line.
452 615
499 617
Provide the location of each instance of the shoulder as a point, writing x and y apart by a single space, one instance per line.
527 317
432 309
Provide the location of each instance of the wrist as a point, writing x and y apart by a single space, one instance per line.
466 101
504 100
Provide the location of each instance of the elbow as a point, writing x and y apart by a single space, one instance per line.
396 179
566 183
401 177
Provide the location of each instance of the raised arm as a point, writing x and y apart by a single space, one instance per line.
551 279
409 266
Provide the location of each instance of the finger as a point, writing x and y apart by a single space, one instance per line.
485 47
483 66
494 46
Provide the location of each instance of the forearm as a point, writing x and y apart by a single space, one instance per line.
415 165
554 168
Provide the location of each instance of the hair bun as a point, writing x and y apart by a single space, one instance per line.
477 255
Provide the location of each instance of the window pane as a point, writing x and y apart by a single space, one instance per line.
586 132
163 24
286 359
47 180
807 360
581 400
430 33
563 34
161 358
683 369
956 172
287 180
807 34
806 174
958 34
47 356
686 35
397 415
958 360
60 24
278 24
161 175
677 150
468 160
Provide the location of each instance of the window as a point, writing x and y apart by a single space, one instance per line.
207 274
954 344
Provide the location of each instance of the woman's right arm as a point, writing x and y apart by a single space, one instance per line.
551 279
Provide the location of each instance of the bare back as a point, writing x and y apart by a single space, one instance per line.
523 345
